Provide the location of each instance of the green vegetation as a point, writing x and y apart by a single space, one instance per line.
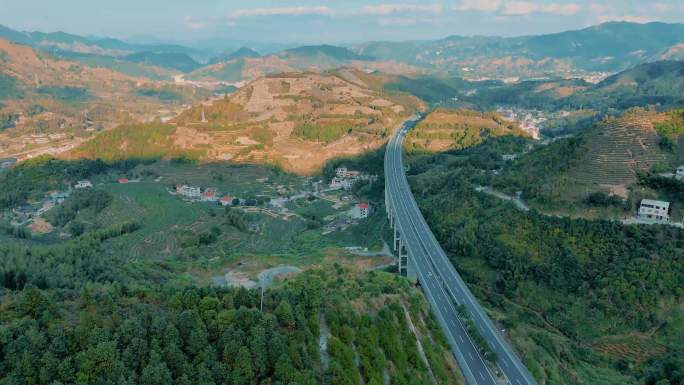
672 128
324 132
8 87
118 301
657 84
539 55
123 66
135 141
166 96
176 61
262 135
112 333
7 120
450 129
242 52
539 175
583 301
65 94
230 71
34 178
96 200
562 177
428 88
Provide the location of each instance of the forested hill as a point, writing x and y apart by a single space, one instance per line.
113 333
584 302
659 83
94 302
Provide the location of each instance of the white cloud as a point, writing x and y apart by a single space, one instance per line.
517 8
397 21
478 5
282 11
630 18
388 9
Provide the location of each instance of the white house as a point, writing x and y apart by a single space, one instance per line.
83 184
655 210
341 172
360 211
507 157
343 183
680 173
189 191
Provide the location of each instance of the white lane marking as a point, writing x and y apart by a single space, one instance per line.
518 381
471 356
482 375
461 338
505 362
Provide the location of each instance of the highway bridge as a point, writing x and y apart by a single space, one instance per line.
422 258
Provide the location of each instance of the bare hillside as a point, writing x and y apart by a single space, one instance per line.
297 120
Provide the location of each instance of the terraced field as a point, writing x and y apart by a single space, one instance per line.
618 149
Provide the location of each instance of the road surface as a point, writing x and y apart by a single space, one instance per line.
442 285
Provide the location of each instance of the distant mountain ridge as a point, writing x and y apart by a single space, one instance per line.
240 53
178 61
608 47
333 52
63 40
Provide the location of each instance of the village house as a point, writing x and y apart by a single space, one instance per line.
189 191
58 197
680 173
508 157
122 181
341 172
226 200
654 210
342 183
360 211
83 184
209 195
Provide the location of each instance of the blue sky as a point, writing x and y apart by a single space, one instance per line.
331 21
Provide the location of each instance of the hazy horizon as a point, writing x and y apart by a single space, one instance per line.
309 22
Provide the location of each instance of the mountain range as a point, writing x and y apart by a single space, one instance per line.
609 48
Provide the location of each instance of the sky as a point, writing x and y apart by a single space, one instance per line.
328 21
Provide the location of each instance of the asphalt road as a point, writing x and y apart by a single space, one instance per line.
442 285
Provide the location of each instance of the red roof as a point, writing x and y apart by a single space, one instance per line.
209 193
226 198
363 205
123 180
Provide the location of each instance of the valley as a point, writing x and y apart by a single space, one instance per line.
217 212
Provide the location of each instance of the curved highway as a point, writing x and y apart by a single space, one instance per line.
440 281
